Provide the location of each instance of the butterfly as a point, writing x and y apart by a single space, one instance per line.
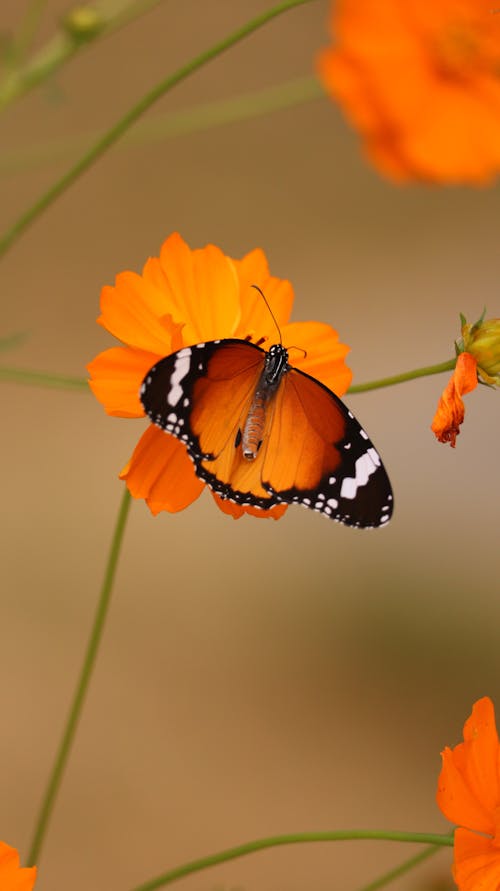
263 433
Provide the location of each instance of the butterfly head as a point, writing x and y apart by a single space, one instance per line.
276 364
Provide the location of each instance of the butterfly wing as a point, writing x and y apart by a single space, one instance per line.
318 455
313 450
202 395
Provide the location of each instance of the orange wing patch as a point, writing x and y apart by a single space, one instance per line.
222 397
306 424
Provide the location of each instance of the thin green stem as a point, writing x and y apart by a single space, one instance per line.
400 870
262 844
27 31
66 382
449 365
82 685
160 128
42 379
116 132
63 46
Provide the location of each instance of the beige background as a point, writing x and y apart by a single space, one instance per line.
255 678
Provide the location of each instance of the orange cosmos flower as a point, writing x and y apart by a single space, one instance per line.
469 795
185 297
12 876
420 82
478 354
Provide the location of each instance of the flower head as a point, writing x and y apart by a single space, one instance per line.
12 876
478 353
469 795
185 297
419 81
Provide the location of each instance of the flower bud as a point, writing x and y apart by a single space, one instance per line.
482 340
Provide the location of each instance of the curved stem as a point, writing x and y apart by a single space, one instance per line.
121 127
449 365
160 128
61 48
82 685
400 870
262 844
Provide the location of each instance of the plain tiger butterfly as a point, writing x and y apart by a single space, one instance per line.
263 433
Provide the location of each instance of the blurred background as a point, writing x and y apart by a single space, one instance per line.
255 678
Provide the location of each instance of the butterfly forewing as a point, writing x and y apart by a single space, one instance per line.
199 393
313 451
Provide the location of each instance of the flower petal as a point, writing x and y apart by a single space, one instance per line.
324 357
481 753
12 876
477 862
457 800
200 288
420 83
161 472
451 410
256 320
468 786
116 377
238 510
139 314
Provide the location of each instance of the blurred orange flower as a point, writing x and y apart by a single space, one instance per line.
451 410
182 298
420 82
12 876
469 795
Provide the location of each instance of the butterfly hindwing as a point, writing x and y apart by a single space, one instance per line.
331 465
313 451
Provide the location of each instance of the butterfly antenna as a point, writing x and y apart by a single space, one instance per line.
300 349
270 310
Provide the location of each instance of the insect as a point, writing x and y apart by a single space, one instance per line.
262 433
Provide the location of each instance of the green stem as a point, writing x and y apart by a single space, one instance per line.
62 47
400 870
27 31
82 685
112 135
42 379
66 382
160 128
262 844
449 365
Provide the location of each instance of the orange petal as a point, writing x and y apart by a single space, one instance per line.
139 314
420 82
457 800
12 876
325 355
116 378
451 410
256 320
201 289
481 754
476 863
237 510
161 472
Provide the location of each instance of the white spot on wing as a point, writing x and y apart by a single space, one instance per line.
181 368
365 465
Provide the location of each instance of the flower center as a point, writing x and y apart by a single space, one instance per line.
462 48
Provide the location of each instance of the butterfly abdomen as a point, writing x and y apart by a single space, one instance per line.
276 365
254 426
